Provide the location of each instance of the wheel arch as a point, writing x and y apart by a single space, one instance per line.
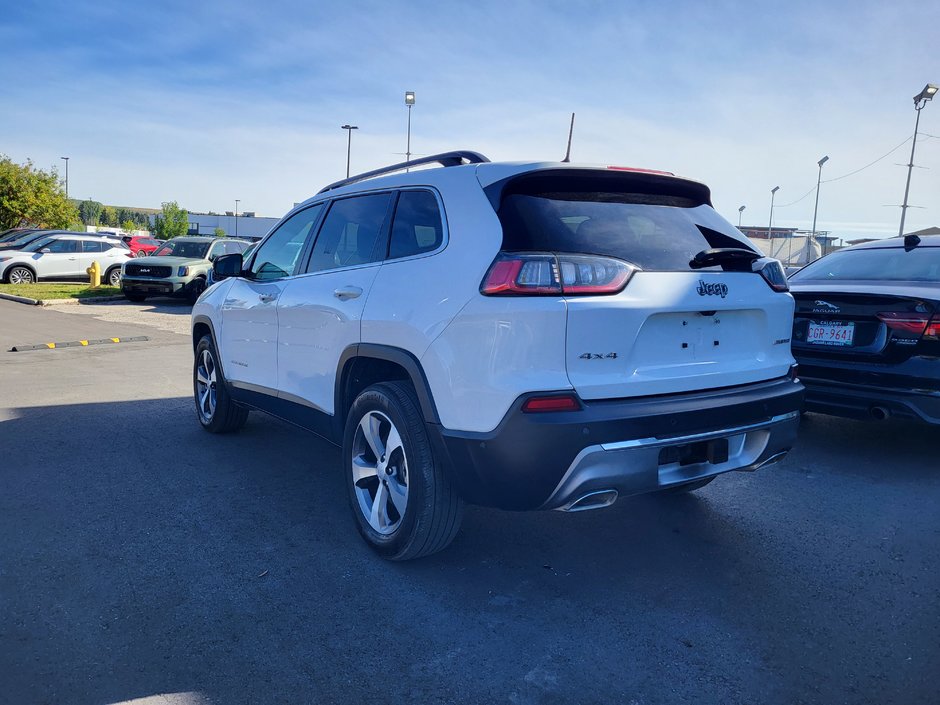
202 325
364 364
24 265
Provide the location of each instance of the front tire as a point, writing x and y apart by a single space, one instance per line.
196 287
403 503
136 298
214 407
21 275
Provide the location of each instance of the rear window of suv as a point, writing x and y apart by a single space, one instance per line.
659 229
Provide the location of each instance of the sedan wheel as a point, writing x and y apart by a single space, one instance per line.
21 275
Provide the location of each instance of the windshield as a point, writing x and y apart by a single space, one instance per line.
880 264
190 249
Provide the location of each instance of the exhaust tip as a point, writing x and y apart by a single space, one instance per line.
879 413
772 460
591 500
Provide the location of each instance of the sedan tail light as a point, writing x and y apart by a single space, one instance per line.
914 323
555 274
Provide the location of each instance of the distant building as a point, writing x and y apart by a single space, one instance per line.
246 225
792 246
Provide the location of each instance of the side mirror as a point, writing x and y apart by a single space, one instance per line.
226 266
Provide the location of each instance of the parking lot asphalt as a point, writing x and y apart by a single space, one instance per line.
142 557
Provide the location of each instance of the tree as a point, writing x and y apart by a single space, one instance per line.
32 197
219 232
129 225
90 212
109 216
172 222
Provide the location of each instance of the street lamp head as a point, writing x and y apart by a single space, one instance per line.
65 158
741 209
775 189
409 97
927 94
349 127
823 161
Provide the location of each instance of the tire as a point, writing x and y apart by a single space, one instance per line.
214 407
140 253
688 486
21 275
426 516
136 298
196 287
114 276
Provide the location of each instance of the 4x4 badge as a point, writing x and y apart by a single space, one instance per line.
706 289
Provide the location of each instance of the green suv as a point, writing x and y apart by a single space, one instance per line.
178 267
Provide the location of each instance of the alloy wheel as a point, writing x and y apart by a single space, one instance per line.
206 386
21 275
380 472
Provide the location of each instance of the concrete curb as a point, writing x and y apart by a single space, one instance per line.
59 302
78 343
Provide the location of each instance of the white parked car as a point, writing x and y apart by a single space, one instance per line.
64 256
524 336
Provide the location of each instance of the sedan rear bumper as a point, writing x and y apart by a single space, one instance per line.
856 401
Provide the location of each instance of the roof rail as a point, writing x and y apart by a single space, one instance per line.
445 159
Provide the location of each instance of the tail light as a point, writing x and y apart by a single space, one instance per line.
772 272
554 402
913 323
555 274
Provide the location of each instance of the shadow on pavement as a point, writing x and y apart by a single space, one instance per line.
142 556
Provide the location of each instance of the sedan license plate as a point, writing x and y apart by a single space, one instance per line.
830 333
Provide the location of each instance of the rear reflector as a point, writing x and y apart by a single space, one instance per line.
561 274
557 402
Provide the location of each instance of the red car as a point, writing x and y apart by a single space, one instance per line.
141 245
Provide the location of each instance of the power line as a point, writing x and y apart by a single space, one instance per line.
851 173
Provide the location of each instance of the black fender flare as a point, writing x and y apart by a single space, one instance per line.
400 357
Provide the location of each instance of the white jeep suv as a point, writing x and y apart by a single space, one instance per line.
522 336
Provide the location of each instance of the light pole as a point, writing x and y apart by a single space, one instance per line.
773 192
349 129
920 100
409 101
740 213
818 182
66 159
237 201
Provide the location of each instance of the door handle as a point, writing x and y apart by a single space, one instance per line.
347 292
266 298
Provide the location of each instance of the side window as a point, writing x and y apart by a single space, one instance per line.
62 246
350 233
417 226
233 248
277 257
218 248
89 246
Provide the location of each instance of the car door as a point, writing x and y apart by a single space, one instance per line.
59 258
93 251
249 327
320 311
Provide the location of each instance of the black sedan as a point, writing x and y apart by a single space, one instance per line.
866 333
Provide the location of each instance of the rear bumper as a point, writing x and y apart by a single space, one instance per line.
859 401
550 460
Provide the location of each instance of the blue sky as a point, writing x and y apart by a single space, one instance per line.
206 102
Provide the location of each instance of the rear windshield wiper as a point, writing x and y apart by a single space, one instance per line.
731 259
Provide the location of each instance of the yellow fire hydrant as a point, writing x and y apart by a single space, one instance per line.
94 273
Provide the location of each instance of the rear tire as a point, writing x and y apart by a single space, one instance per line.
214 407
114 276
687 487
402 501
